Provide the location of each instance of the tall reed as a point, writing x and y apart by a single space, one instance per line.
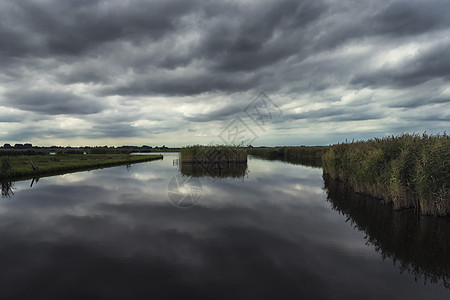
410 170
213 154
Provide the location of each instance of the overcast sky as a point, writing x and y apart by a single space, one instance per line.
174 72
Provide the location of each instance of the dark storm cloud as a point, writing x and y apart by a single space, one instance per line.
74 27
97 74
436 116
218 114
235 42
51 103
235 39
109 128
433 64
353 21
400 18
262 36
115 130
193 84
8 117
302 52
419 101
30 131
339 114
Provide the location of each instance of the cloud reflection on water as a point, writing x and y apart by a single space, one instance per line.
111 233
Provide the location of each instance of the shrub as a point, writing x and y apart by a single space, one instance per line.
6 165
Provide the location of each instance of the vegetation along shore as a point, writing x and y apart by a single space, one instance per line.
408 171
289 153
27 166
302 155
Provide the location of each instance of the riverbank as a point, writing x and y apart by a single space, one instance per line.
409 171
24 166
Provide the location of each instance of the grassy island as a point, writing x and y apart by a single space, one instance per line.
29 166
213 154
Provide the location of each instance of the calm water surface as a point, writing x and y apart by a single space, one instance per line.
278 232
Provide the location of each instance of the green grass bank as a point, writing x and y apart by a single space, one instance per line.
409 171
25 166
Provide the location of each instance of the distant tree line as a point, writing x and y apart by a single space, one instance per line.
28 149
18 146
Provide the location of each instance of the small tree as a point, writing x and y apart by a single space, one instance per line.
6 165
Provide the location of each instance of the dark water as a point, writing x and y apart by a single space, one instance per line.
279 231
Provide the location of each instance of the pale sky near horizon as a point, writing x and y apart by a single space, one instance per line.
176 72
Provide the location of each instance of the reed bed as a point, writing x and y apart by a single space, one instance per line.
213 154
409 171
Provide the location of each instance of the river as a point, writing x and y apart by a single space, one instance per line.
271 230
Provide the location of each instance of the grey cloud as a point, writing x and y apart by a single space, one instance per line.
173 84
234 40
8 117
218 114
115 130
412 17
85 74
431 117
52 103
433 64
73 27
317 51
419 101
29 132
389 20
231 48
263 36
110 129
339 114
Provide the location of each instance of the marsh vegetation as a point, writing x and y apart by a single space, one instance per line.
213 154
409 171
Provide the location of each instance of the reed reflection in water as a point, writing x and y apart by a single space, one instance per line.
419 245
215 170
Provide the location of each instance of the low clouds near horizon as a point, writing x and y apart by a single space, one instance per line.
178 72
